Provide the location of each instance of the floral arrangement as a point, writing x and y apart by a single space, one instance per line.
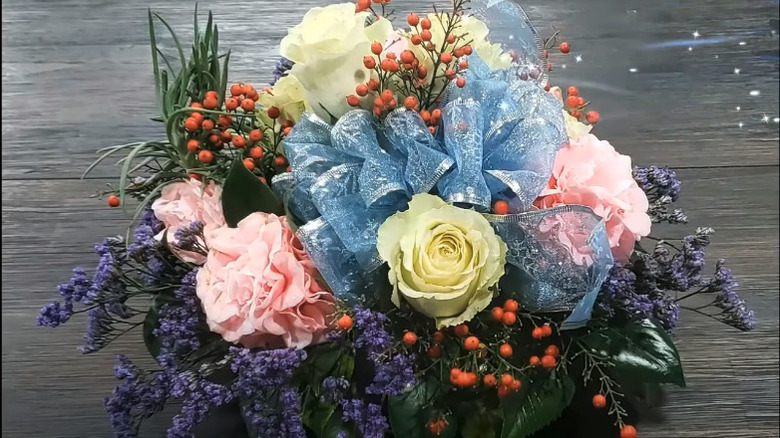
408 233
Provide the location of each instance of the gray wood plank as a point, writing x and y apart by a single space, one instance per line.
50 390
78 72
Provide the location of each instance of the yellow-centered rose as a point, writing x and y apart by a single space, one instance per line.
444 260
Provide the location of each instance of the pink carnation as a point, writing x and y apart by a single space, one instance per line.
590 172
258 286
184 202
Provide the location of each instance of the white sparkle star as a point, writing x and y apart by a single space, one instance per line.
755 92
690 49
633 69
765 119
696 34
563 65
716 56
739 107
578 58
742 43
737 70
740 124
776 120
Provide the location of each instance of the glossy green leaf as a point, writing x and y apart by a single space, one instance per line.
410 412
244 194
536 405
151 322
640 350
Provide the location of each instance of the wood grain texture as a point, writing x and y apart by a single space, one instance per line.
76 77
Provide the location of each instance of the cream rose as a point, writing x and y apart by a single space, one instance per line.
287 95
328 47
444 260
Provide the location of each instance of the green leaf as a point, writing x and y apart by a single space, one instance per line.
640 348
151 322
537 404
410 412
244 194
480 422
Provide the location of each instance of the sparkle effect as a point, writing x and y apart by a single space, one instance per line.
696 34
578 58
765 119
737 70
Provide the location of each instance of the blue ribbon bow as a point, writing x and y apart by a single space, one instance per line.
497 141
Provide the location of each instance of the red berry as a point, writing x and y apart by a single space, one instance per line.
205 157
515 385
376 47
193 145
191 124
413 19
460 82
369 62
273 112
361 89
426 35
255 135
534 361
113 201
507 379
249 163
511 305
471 343
225 136
497 313
224 121
425 23
572 91
422 72
390 55
248 105
565 47
509 318
387 96
504 391
416 40
599 401
213 139
207 125
362 5
580 101
450 39
463 64
458 52
461 330
546 87
446 58
575 114
592 117
353 100
256 152
210 102
489 380
409 339
546 330
454 374
552 350
436 426
231 104
196 105
236 90
438 336
389 65
467 50
628 431
238 141
434 351
548 361
500 207
196 176
505 350
449 74
407 57
572 101
279 161
345 322
210 94
410 102
537 333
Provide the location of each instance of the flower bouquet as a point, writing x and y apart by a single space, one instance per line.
409 233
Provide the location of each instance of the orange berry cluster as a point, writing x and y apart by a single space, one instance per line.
364 5
507 314
462 379
575 104
436 426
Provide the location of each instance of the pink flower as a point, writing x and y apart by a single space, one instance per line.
590 172
184 202
258 286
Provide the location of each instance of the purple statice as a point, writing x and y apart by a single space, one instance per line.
144 243
178 323
622 297
260 373
734 309
107 283
367 417
138 397
373 336
77 288
99 329
332 389
190 238
393 375
662 188
198 396
54 314
282 66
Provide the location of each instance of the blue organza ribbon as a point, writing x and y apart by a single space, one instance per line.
497 141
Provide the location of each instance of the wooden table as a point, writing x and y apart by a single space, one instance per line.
77 76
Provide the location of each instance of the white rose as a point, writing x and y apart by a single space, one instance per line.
328 47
